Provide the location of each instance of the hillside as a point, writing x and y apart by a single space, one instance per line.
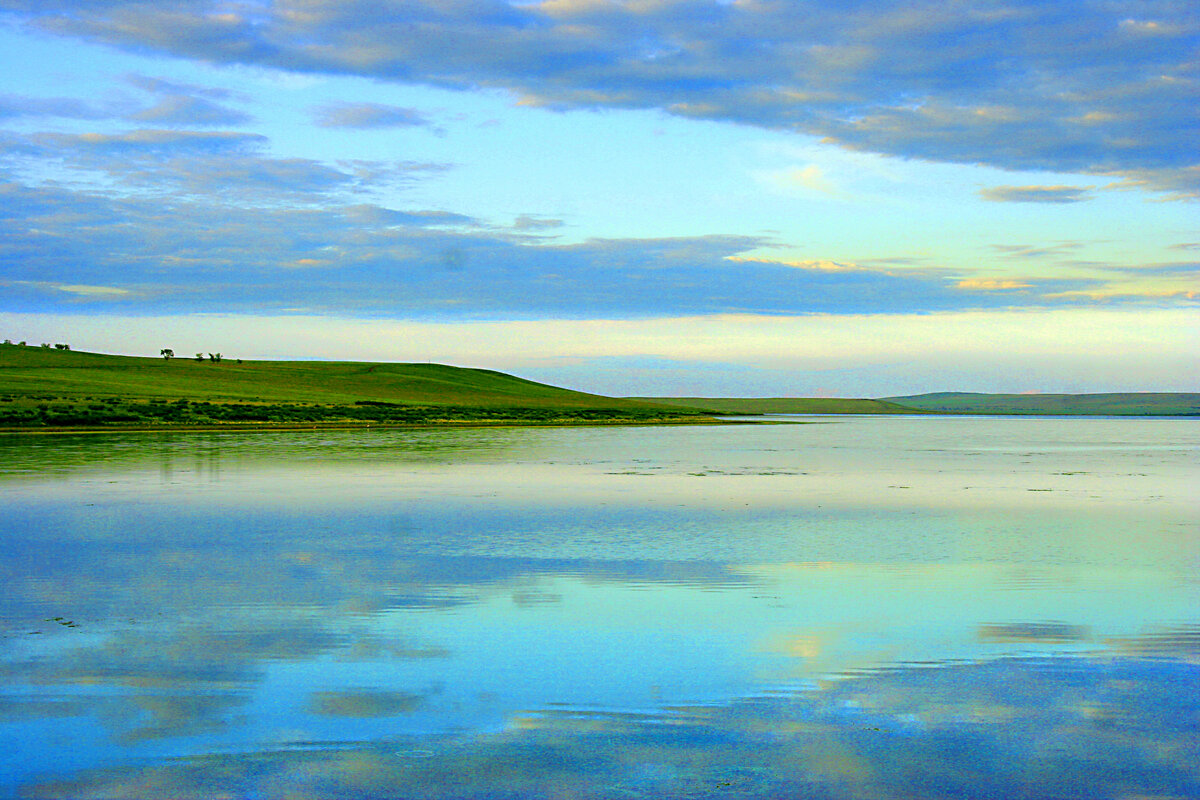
783 405
48 387
1118 404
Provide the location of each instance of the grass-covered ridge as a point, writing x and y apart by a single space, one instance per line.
44 387
1112 404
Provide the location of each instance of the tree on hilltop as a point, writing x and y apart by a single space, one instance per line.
167 353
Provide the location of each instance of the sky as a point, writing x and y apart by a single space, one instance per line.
629 197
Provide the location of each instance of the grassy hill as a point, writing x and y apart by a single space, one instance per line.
1121 404
42 387
783 405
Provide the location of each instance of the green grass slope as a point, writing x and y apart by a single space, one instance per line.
1117 404
783 405
42 386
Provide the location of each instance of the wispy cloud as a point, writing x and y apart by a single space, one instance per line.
197 255
151 142
188 111
992 284
1185 268
184 104
14 106
1028 85
526 222
1035 194
1037 251
221 164
80 290
823 265
369 115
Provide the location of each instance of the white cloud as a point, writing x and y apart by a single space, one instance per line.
1103 87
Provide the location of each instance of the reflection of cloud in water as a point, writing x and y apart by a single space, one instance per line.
364 703
13 709
185 656
159 716
1048 632
1180 641
531 598
1009 728
58 560
312 617
442 580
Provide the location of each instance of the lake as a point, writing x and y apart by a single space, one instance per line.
857 607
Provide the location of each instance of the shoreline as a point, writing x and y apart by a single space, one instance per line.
511 423
308 426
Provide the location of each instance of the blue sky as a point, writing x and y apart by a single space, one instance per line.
647 197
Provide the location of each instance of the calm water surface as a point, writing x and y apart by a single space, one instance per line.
858 608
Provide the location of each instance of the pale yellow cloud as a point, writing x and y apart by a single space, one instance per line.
805 180
989 284
1147 294
811 177
92 291
821 265
998 113
1094 118
83 290
1147 27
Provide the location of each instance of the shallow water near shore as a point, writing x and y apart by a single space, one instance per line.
867 607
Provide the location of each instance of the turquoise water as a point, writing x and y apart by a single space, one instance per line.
857 608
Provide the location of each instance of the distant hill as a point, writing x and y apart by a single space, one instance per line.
784 405
1118 404
1124 404
44 386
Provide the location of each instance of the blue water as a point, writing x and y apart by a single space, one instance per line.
856 608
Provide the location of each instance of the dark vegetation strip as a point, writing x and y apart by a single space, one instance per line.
46 412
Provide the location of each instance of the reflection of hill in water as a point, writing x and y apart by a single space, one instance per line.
1118 404
39 454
